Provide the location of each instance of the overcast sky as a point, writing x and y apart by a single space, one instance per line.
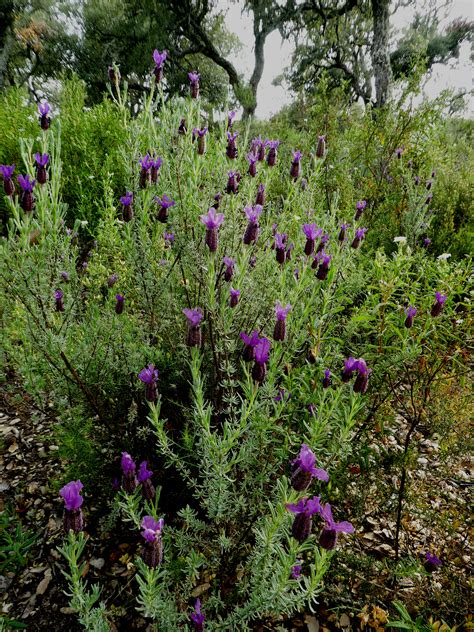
457 74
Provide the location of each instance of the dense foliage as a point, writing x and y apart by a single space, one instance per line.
134 277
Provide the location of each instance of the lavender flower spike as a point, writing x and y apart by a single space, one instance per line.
432 562
145 164
120 304
144 478
327 379
250 343
194 84
262 351
8 184
362 379
71 494
312 232
234 297
58 296
324 265
328 537
230 119
41 162
359 236
342 233
280 247
360 206
281 313
350 366
27 199
295 168
303 522
304 470
164 203
410 314
212 221
149 376
200 134
321 148
197 617
126 202
128 469
231 151
155 167
251 232
194 317
438 305
272 152
260 199
152 551
44 120
233 182
159 59
252 158
229 268
296 571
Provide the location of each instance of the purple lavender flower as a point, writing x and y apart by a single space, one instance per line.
194 84
145 166
328 537
41 162
229 268
327 379
280 247
8 184
342 233
217 201
71 494
362 379
234 297
27 199
231 151
251 232
44 120
399 152
304 470
260 150
232 182
281 313
159 59
144 478
359 236
149 376
322 242
230 119
194 317
260 199
112 280
312 232
152 551
410 314
128 470
417 180
429 184
64 276
252 158
120 304
296 571
360 206
169 238
295 168
432 562
154 169
324 265
58 296
261 354
438 305
250 342
304 509
410 164
212 221
304 184
426 242
428 199
321 148
197 617
126 202
182 129
164 204
350 365
272 152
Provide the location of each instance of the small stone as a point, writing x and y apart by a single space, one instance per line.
98 563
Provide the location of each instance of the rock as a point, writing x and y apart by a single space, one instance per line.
98 563
67 610
312 623
44 583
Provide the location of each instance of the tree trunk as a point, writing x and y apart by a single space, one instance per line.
380 53
260 37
